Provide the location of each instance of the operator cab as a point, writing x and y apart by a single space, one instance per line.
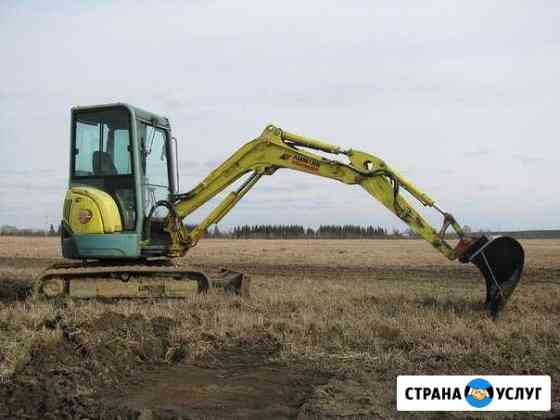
126 153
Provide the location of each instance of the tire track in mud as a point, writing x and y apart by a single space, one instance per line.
390 272
381 272
16 281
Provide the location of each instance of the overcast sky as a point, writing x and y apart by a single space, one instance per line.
462 97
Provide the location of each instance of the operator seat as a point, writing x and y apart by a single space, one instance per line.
103 164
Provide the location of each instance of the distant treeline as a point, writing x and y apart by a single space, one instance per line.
301 232
8 230
531 234
257 232
354 232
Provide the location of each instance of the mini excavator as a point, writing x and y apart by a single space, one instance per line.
123 215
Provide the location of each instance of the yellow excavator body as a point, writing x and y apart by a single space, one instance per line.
123 206
90 210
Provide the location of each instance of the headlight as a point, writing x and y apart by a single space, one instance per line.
84 216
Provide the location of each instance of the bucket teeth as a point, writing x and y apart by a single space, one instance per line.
501 263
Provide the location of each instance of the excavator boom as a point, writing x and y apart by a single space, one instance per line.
500 261
275 149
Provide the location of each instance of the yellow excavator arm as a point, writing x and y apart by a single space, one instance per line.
90 228
276 148
499 260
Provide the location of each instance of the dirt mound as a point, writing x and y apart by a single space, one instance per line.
54 385
14 287
257 348
61 375
116 367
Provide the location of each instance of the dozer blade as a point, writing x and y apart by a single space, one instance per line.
501 263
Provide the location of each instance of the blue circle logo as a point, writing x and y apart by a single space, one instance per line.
479 393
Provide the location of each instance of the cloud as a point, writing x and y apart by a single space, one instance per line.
476 154
447 91
37 172
487 187
288 188
528 160
213 163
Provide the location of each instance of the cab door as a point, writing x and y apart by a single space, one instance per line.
101 156
155 158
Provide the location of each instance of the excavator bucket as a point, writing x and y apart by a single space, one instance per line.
501 263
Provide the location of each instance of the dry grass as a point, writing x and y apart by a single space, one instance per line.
355 310
540 252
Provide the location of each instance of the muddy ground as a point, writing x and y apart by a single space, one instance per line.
329 326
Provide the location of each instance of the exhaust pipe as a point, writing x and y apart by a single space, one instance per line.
500 261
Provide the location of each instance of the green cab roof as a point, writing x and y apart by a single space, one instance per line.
139 113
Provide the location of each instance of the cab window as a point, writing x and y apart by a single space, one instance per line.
102 157
102 143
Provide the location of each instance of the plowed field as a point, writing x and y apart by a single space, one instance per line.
329 326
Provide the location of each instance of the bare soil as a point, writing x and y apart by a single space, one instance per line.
329 327
246 391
